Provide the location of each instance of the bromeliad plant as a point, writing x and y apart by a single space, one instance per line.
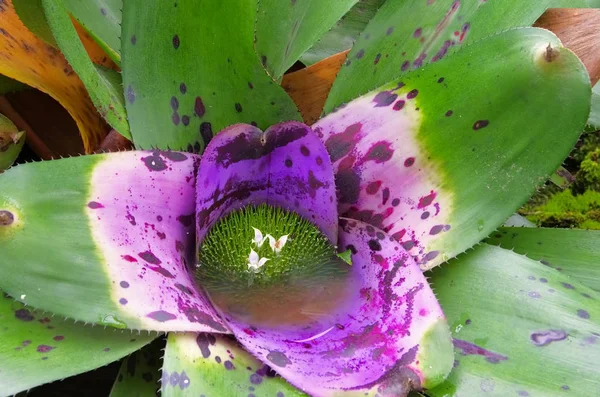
296 254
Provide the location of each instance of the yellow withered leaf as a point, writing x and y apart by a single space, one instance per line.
28 59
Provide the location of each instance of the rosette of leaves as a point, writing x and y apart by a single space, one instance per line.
231 224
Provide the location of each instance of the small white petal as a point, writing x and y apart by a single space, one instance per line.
253 257
23 296
259 240
277 245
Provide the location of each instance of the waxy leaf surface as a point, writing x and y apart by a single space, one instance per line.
573 252
345 32
520 328
439 159
286 29
407 35
37 348
204 74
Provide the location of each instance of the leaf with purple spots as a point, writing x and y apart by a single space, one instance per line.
387 338
440 182
104 86
126 241
500 329
286 29
414 33
214 365
140 372
226 85
36 348
572 252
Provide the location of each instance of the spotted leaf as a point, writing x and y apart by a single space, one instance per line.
215 365
210 78
530 316
439 162
37 348
388 337
407 35
121 244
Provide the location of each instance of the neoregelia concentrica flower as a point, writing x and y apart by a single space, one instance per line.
318 322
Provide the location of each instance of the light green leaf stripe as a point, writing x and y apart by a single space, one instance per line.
102 19
204 74
573 252
286 29
407 35
520 328
214 365
342 36
104 87
37 348
140 372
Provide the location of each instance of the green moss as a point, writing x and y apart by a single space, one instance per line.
566 210
588 177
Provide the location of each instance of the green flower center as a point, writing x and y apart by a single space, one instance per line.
269 265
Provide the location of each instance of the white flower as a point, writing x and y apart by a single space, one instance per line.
259 240
277 245
255 262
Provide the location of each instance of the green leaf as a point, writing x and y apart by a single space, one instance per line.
31 13
102 19
574 4
104 86
286 29
342 36
140 372
11 143
594 120
204 74
36 348
520 328
450 158
573 252
213 365
406 35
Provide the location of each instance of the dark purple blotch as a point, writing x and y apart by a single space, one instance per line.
24 315
278 358
479 124
544 338
154 162
384 98
161 316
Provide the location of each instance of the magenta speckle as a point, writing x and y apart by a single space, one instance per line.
44 348
94 205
